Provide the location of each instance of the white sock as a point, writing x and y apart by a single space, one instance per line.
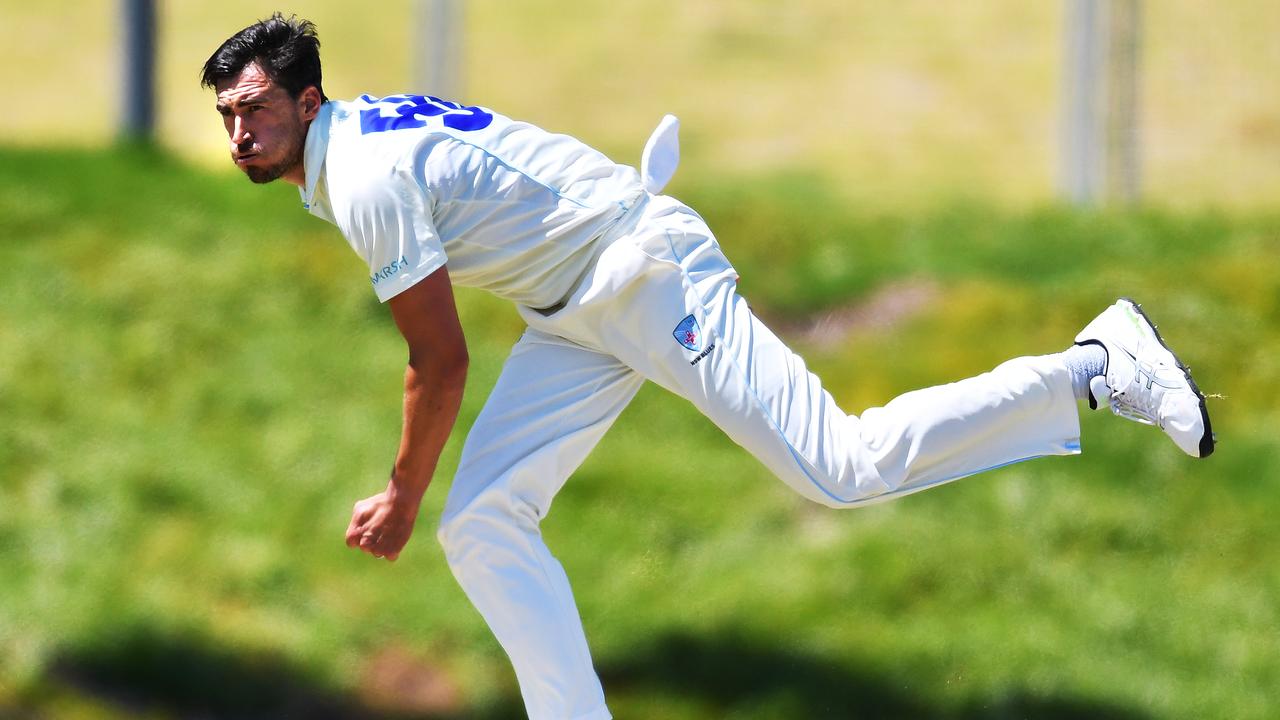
1085 362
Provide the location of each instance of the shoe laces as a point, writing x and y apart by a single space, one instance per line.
1140 409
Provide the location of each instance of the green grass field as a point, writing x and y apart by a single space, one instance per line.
196 384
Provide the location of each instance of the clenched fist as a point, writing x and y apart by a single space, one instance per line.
381 524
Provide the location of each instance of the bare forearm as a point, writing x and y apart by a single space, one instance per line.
428 320
381 524
432 395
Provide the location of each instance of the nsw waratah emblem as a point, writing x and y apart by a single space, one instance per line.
689 334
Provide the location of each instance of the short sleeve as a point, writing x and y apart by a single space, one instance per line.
388 223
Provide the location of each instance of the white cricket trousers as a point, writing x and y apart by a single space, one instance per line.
573 372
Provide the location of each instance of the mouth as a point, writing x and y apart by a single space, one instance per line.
244 158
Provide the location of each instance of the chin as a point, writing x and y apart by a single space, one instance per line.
263 176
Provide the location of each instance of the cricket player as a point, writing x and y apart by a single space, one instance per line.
618 284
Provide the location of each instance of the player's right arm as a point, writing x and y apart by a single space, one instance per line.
433 384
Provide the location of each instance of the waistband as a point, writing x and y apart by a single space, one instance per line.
617 228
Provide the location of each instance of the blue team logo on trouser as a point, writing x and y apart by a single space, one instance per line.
688 334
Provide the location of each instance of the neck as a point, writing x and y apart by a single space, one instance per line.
297 175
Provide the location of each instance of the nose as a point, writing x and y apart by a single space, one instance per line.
239 133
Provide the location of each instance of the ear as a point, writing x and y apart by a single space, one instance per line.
309 103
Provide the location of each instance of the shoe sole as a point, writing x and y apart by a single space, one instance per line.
1207 441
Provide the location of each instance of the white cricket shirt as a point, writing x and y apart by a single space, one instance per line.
414 182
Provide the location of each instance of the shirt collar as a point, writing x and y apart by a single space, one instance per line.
316 147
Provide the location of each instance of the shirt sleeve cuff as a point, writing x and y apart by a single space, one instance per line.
397 284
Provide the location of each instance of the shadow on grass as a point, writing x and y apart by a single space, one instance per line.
143 671
736 675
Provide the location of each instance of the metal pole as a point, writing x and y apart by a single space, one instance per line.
437 50
139 20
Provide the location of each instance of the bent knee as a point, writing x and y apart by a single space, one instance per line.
492 516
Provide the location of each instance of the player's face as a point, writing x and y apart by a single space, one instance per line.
267 128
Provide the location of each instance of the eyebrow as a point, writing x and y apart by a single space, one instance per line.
259 99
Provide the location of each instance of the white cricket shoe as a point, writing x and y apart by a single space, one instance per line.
1144 381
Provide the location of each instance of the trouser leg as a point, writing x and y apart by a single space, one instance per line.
761 394
552 403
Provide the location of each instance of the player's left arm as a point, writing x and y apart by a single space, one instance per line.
428 319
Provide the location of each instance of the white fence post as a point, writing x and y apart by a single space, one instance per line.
1082 117
437 50
1100 97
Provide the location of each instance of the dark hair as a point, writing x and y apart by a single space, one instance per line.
287 50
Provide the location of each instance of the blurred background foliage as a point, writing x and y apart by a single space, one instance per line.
195 382
888 105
